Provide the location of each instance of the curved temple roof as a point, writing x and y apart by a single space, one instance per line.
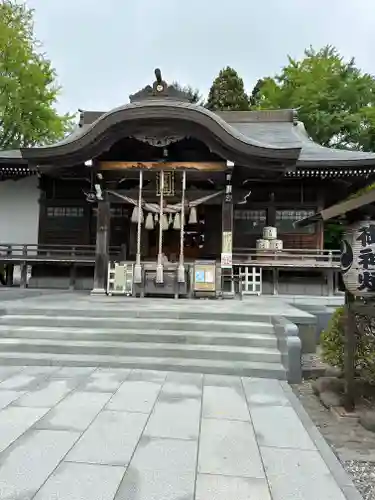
85 137
245 136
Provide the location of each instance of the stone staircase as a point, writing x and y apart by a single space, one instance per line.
166 339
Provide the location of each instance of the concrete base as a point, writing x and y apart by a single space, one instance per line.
98 291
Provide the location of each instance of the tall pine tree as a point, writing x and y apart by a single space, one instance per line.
227 92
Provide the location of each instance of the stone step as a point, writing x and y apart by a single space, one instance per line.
159 324
124 335
238 368
194 312
141 349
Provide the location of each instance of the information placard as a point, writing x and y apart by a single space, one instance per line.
205 276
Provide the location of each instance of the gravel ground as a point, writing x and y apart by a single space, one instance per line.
354 446
363 474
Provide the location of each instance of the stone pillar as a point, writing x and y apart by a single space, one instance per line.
227 229
102 247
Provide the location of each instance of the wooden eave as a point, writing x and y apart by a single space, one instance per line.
339 209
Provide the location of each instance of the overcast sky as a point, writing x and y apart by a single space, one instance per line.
105 50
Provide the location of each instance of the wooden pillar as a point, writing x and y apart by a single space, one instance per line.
275 279
9 274
320 224
271 211
23 264
349 354
9 271
227 229
102 247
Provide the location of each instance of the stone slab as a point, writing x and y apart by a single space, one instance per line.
75 412
229 447
104 380
27 464
21 382
179 385
211 487
14 421
74 371
175 418
8 371
82 482
44 371
47 394
299 475
160 469
135 395
280 427
7 397
264 392
156 376
110 440
227 402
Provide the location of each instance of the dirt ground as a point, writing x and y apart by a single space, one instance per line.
354 445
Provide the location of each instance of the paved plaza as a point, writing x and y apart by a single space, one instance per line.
102 434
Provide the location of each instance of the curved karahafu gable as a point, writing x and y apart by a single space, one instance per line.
266 139
193 119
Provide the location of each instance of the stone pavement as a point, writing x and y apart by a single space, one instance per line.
103 434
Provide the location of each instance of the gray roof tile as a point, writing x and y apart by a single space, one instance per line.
276 129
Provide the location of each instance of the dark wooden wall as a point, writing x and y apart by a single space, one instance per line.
67 218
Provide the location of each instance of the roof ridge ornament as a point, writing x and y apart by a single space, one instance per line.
160 90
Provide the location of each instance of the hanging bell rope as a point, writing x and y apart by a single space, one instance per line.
159 266
139 213
181 266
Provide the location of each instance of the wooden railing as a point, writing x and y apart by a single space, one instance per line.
288 257
86 253
10 252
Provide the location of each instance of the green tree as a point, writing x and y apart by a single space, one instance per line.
194 95
28 91
227 92
333 97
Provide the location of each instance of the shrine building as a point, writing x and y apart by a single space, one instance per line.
162 184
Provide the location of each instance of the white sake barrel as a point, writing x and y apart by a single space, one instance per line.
263 244
269 233
276 244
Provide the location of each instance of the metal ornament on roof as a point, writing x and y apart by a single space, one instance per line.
358 258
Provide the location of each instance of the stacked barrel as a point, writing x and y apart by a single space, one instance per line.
269 241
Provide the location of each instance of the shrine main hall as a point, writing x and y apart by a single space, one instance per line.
171 197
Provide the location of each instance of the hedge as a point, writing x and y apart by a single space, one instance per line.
332 344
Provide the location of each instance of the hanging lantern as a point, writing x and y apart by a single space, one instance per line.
177 222
193 216
149 224
136 214
358 258
164 222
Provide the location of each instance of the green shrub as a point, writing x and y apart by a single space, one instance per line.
332 344
332 339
